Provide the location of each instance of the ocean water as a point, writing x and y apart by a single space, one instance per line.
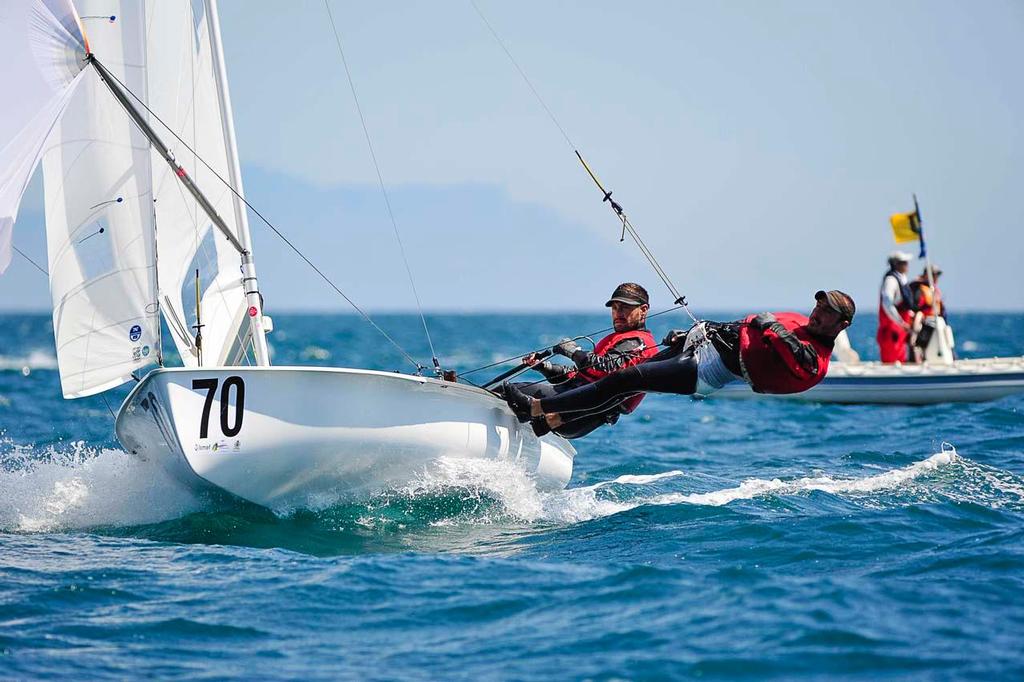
711 539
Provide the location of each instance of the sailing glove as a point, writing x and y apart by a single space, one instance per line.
673 337
565 347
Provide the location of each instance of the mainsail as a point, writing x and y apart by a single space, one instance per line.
185 90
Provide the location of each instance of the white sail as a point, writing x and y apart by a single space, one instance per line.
185 95
41 48
99 218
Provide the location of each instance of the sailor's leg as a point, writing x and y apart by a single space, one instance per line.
541 389
579 426
672 373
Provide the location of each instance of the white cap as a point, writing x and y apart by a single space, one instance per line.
900 257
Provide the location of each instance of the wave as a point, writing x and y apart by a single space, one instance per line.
78 487
36 359
81 488
944 476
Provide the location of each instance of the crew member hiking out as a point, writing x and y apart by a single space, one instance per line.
895 310
773 352
629 344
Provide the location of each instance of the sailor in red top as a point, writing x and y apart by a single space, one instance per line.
895 310
773 352
629 344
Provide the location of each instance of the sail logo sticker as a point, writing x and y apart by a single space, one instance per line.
135 333
145 351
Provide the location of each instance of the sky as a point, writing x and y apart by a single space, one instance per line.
758 148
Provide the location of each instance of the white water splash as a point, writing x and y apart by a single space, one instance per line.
512 488
81 488
756 487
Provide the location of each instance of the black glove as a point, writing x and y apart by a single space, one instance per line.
763 321
565 347
673 337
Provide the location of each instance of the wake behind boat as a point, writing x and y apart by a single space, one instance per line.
114 121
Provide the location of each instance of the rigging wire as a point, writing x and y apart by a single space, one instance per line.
274 229
627 226
26 257
383 187
537 350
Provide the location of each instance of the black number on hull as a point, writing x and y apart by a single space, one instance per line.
210 386
225 396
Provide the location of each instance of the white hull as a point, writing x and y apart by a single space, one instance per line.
873 382
301 433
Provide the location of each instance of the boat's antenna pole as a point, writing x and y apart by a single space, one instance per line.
944 349
198 326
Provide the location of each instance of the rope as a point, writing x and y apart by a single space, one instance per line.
522 73
383 188
112 415
26 257
537 350
677 297
252 208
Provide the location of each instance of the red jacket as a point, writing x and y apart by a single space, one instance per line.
601 349
785 357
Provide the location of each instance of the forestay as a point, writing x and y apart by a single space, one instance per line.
184 92
42 48
99 221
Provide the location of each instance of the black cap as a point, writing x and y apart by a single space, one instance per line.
839 302
629 293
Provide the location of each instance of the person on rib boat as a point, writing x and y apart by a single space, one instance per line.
929 305
773 352
895 310
629 344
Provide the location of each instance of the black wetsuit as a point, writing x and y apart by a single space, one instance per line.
673 370
561 381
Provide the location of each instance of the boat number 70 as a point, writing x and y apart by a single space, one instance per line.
210 385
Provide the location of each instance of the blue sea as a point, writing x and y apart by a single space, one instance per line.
707 539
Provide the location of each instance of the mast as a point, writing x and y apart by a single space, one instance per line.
165 152
250 284
252 295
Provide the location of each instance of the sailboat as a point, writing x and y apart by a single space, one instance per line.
125 106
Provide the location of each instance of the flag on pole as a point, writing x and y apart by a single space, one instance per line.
906 227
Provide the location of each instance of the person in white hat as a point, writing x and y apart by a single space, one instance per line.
895 309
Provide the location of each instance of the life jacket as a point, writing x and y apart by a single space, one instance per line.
771 371
928 302
905 306
647 350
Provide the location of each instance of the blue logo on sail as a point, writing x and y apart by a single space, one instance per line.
135 333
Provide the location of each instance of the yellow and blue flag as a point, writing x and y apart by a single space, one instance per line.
906 227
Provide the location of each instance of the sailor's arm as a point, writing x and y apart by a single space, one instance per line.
617 357
552 371
799 357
